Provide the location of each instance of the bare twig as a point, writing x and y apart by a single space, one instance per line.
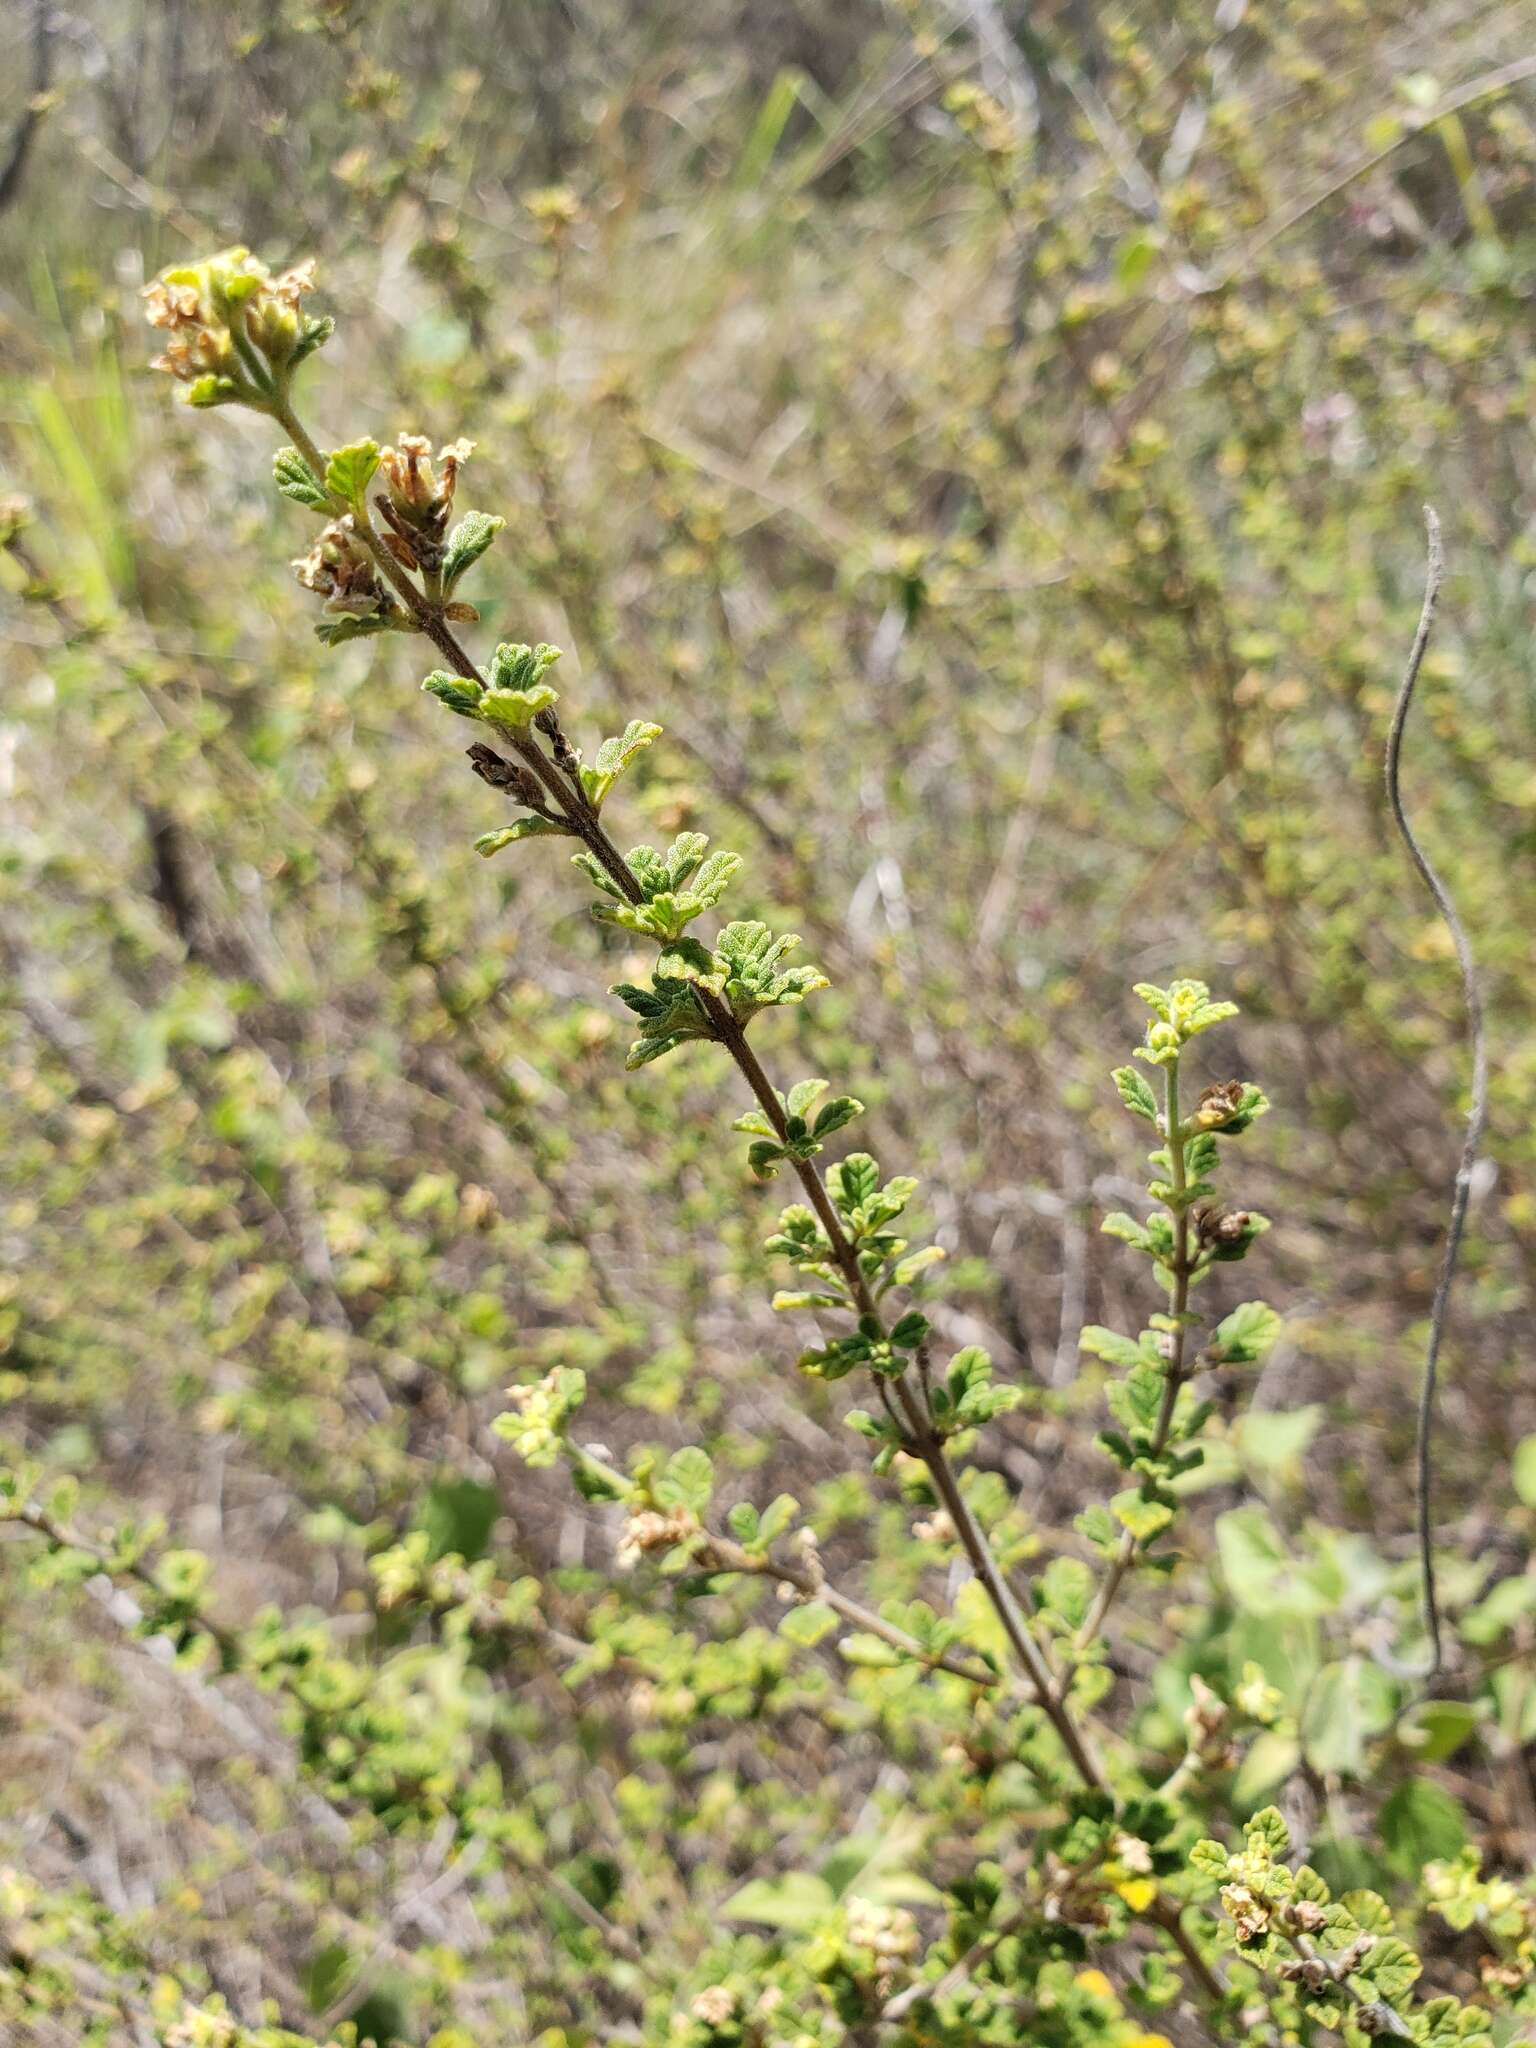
36 104
1477 1113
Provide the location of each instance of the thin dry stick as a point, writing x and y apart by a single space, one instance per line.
1477 1114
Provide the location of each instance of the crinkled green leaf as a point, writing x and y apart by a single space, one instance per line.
525 828
295 479
350 470
466 543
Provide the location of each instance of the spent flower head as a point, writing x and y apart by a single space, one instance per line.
339 568
421 494
235 332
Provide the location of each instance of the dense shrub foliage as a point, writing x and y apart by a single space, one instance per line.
476 1565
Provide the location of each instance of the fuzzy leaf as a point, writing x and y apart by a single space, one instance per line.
1269 1828
295 479
514 709
687 1480
873 1653
459 693
336 632
1142 1517
832 1116
796 1902
1127 1229
1135 1093
519 668
803 1096
807 1625
349 471
1247 1334
907 1269
614 757
525 828
1110 1346
467 543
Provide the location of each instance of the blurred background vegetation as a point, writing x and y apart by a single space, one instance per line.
991 440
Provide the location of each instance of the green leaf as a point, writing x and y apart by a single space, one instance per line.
1348 1702
1421 1823
212 390
350 470
853 1181
796 1902
1111 1347
1274 1441
778 1515
336 632
1388 1971
686 960
1207 1015
1144 1518
1269 1828
467 543
459 693
872 1653
1211 1860
1270 1760
315 334
1096 1525
295 479
1260 1574
515 666
1369 1910
832 1116
809 1624
525 828
614 757
1247 1334
1135 1093
458 1516
1126 1228
907 1269
1437 1729
687 1481
1066 1589
754 979
515 709
1525 1470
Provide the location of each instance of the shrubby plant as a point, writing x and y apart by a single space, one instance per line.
1023 578
1081 1842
